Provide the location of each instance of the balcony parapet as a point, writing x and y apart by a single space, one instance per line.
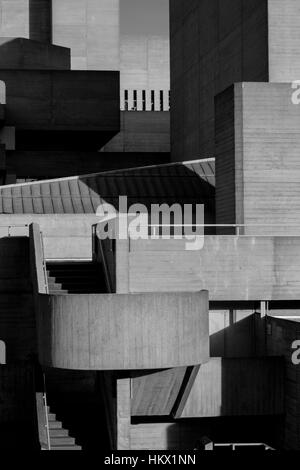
123 332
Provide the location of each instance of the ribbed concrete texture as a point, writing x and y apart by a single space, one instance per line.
257 162
215 44
91 29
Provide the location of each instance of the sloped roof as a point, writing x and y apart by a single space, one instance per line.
179 182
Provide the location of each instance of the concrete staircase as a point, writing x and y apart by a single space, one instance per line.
59 436
72 277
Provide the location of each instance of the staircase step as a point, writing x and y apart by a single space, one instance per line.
55 425
75 278
74 271
62 441
59 432
51 417
75 447
69 283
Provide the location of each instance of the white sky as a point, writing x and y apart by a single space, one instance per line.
144 17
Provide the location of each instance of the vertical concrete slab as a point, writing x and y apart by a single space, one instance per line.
91 29
123 413
284 40
257 161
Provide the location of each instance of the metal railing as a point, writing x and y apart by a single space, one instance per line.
239 446
46 414
156 229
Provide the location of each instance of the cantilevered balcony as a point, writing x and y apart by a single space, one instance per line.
116 332
123 332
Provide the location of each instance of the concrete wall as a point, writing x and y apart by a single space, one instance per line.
42 103
284 40
233 387
213 44
257 161
145 65
142 132
26 18
20 53
281 335
123 332
65 236
14 18
17 321
185 435
91 29
18 430
61 99
236 333
231 268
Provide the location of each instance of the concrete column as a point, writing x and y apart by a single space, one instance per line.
40 20
166 100
148 100
2 352
122 100
157 100
123 413
130 100
2 157
139 100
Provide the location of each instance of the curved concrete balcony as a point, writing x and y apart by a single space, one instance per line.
123 332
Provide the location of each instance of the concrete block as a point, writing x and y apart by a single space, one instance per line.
21 53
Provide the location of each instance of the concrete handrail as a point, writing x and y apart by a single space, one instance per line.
37 261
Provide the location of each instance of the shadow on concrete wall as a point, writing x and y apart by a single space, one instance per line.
184 435
240 339
76 398
155 185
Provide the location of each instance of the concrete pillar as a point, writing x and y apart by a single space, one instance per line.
40 20
122 100
139 100
2 353
166 100
123 413
157 100
2 92
130 100
2 157
148 100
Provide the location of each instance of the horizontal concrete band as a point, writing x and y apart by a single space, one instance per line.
231 268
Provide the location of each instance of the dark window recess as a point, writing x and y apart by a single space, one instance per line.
161 100
134 100
126 100
144 100
152 100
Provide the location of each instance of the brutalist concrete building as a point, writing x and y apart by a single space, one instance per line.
138 343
